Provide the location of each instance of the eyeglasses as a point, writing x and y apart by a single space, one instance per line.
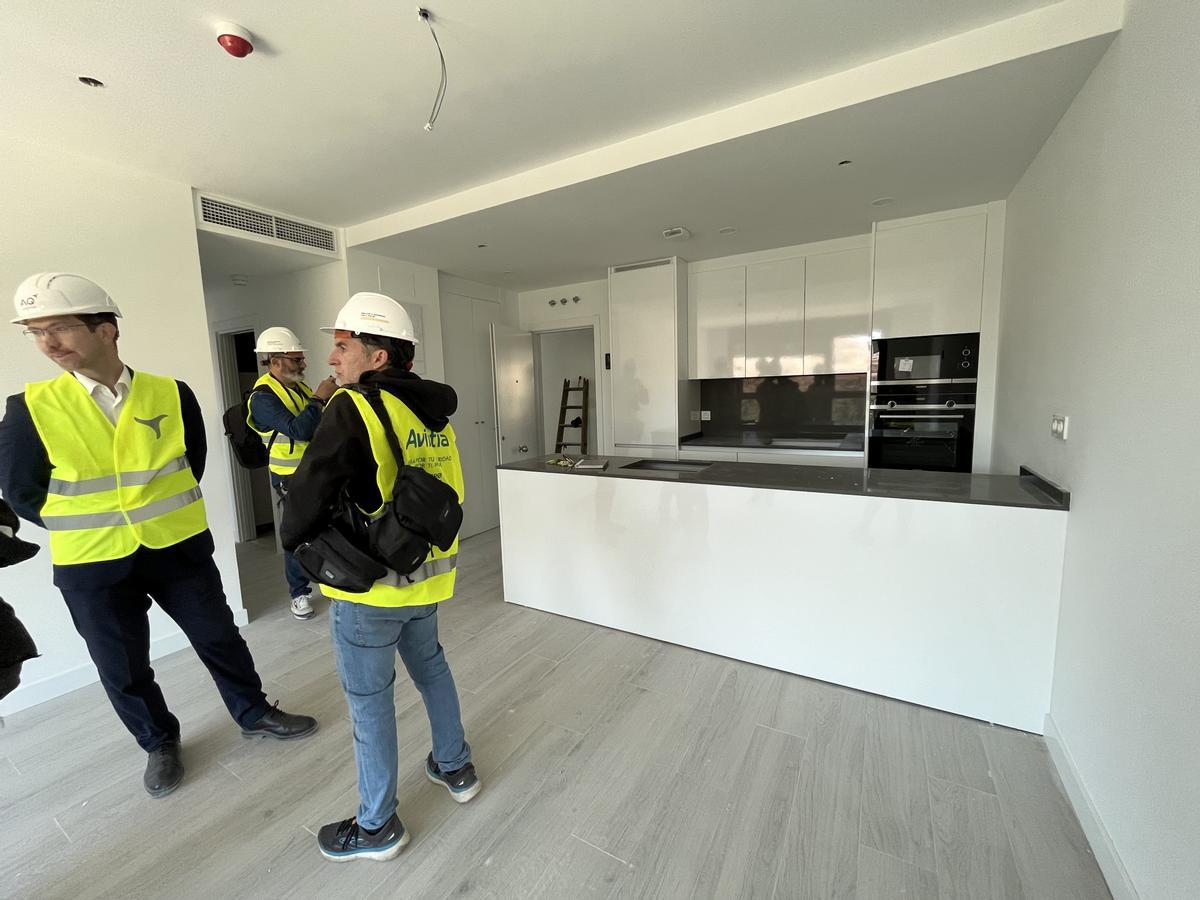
37 334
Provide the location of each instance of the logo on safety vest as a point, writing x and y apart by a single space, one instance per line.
154 424
426 439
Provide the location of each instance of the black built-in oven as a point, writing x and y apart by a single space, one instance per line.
922 406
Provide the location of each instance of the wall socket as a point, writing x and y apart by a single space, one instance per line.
695 415
1058 426
705 415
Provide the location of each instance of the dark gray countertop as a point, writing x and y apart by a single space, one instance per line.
1027 491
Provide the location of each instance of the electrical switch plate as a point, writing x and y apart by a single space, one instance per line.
695 415
1058 426
705 415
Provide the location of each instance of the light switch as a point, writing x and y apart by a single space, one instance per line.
1058 426
705 415
695 415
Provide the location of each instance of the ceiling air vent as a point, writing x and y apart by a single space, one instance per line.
266 225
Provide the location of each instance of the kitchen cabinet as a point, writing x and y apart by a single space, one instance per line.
929 274
775 318
837 312
647 309
717 311
802 458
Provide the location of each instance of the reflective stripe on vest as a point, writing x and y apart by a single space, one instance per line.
284 453
437 453
429 569
114 488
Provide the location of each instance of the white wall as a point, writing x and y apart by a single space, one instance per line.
1100 321
536 314
136 236
566 354
406 283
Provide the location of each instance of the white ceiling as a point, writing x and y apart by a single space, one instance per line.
953 143
324 120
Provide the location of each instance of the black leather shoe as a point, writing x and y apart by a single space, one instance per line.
281 725
164 769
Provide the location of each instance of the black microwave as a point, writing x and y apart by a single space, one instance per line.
932 359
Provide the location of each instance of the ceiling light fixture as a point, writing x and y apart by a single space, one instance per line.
883 201
676 233
845 162
480 246
239 280
424 16
90 82
728 229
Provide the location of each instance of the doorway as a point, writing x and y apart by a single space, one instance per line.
569 354
251 488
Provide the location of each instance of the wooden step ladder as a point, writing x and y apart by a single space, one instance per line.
569 389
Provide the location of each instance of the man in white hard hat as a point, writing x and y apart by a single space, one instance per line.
285 412
109 462
373 347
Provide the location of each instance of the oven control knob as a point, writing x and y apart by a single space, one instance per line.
966 351
950 404
891 404
965 364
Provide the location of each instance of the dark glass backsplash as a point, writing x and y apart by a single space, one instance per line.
784 406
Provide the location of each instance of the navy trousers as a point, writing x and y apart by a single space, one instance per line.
110 613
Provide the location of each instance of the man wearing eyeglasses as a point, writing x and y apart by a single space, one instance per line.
285 412
108 461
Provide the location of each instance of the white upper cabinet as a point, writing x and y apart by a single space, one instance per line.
929 274
775 318
837 312
717 323
642 336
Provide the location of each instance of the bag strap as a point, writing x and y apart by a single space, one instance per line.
262 388
375 399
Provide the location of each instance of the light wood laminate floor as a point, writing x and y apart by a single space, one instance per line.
613 765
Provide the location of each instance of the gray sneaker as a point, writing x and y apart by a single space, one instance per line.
347 840
461 783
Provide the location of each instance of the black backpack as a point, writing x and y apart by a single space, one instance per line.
248 448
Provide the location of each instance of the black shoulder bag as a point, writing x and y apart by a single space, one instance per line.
422 511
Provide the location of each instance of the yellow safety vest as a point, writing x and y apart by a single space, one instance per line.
114 488
437 453
284 453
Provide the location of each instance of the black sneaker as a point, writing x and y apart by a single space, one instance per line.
346 840
461 783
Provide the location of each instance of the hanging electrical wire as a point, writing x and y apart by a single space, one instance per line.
441 91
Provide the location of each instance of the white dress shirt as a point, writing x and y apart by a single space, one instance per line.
108 401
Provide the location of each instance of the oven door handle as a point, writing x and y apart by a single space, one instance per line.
919 417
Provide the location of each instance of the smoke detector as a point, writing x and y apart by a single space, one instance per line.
677 233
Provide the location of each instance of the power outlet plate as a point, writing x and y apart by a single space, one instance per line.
705 415
1058 426
695 415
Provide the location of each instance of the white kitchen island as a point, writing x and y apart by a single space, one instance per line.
935 588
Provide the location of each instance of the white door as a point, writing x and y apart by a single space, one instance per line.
717 323
516 393
467 356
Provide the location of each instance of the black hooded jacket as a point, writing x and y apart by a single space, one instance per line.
339 455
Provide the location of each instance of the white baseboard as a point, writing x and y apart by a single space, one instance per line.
1101 842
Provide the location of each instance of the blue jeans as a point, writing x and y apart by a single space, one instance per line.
296 579
365 642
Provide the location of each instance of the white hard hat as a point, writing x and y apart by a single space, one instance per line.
278 339
378 314
60 294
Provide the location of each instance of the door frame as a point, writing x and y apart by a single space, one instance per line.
600 387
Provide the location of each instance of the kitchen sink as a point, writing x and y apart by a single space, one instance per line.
667 465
